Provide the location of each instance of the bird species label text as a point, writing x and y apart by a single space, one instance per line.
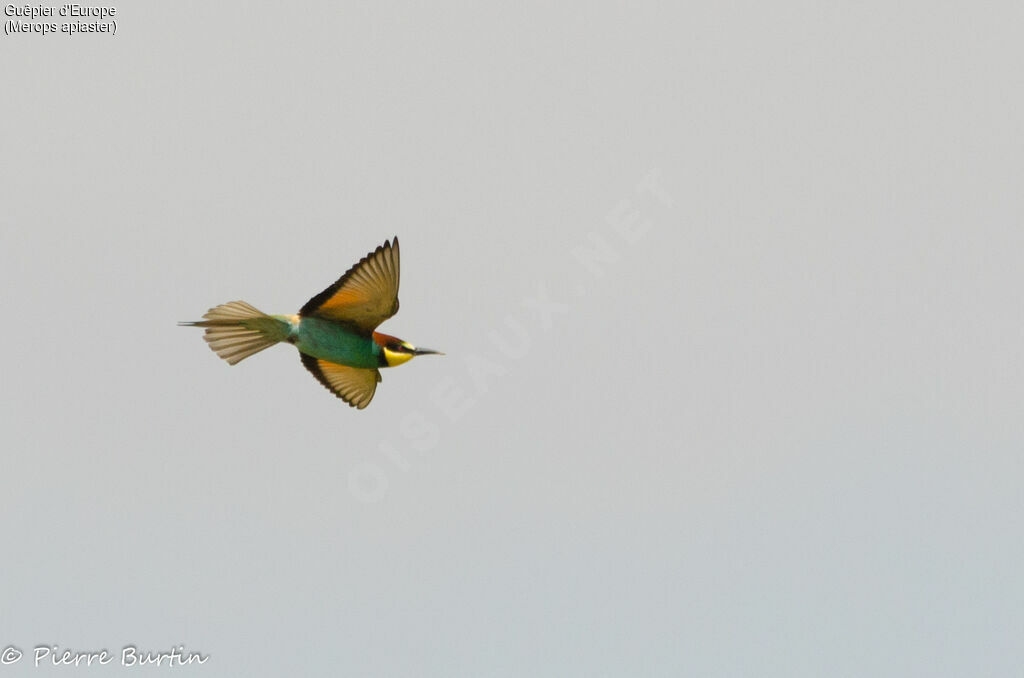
32 19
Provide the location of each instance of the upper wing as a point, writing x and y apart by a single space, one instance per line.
354 385
366 295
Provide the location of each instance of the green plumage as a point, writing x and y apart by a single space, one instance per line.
274 328
333 341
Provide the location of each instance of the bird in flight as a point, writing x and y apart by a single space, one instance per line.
334 331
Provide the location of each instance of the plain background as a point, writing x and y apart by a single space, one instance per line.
777 433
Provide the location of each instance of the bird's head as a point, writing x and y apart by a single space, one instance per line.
394 351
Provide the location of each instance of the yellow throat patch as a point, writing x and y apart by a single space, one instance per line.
395 358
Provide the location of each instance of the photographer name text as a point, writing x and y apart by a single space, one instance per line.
129 656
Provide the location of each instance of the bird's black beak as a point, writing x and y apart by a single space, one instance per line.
426 351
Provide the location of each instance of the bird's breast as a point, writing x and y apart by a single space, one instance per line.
337 343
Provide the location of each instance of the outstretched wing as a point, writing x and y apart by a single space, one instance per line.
354 385
366 295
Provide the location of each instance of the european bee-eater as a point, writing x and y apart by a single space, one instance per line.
334 331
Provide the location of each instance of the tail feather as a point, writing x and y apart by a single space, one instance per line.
237 330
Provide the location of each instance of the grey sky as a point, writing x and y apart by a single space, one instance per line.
730 296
